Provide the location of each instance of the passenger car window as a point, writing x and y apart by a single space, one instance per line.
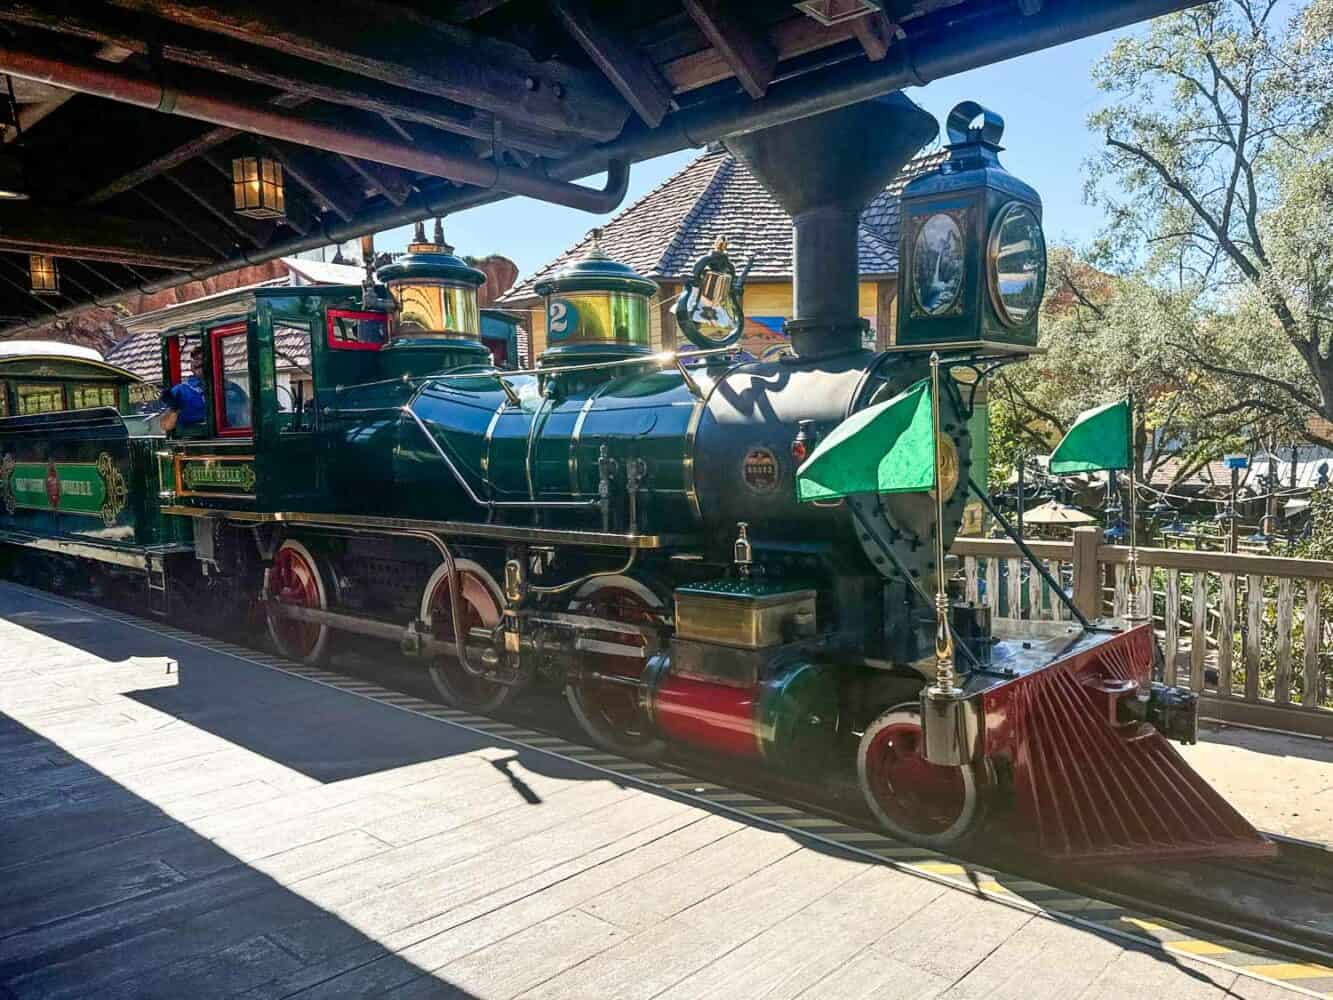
86 396
41 398
231 379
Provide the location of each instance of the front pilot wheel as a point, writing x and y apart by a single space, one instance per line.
913 799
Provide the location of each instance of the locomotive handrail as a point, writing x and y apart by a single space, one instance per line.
491 504
663 358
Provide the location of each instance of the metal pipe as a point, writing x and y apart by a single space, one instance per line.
129 88
910 62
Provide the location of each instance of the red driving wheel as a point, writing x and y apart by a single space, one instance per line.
609 711
914 799
479 605
294 579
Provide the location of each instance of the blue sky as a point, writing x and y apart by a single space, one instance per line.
1044 98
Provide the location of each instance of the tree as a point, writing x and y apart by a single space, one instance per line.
1104 336
1217 176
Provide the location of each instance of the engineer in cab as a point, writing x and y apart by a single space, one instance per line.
186 406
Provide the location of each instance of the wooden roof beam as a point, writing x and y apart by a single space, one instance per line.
26 227
746 51
183 153
469 10
394 184
790 38
219 248
397 47
226 217
303 80
628 69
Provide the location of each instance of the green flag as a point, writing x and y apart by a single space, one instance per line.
1098 440
885 448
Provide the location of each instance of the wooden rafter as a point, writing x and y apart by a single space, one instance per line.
469 10
745 50
226 217
186 226
309 171
302 80
394 184
628 69
395 47
173 158
790 38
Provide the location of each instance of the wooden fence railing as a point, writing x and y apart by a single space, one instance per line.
1250 633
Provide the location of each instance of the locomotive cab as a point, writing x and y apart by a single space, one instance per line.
272 359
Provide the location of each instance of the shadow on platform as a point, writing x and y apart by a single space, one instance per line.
105 893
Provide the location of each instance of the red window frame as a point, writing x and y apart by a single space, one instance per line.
174 360
219 392
352 345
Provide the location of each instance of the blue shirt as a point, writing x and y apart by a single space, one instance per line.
188 400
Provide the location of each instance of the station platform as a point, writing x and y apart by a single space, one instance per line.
180 818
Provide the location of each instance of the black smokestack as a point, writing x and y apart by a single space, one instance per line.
822 170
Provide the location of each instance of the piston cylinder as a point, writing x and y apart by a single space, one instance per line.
787 719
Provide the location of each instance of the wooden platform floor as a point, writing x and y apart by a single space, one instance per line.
181 823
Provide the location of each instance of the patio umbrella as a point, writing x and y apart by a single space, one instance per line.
1058 514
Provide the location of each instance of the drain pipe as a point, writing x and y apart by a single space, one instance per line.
119 85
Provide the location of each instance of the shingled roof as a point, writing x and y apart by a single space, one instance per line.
663 233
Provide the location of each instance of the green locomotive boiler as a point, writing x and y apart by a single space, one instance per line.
624 525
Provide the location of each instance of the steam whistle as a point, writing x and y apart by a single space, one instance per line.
709 309
374 296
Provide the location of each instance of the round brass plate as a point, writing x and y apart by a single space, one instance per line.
948 465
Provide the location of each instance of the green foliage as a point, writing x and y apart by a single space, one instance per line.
1104 337
1216 177
1209 294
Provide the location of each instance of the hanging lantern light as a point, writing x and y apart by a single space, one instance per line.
256 185
45 277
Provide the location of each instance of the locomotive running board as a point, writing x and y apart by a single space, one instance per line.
499 532
1093 792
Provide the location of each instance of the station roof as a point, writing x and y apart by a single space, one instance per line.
129 113
665 232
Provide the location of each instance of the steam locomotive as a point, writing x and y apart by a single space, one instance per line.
623 524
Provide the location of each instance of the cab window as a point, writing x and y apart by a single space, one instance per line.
87 396
4 399
351 330
231 379
179 348
293 376
41 398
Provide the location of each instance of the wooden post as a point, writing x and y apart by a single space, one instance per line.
1087 571
1172 623
1198 630
1254 624
1226 634
1285 608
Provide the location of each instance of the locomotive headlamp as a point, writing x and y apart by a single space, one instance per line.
596 310
256 187
973 254
434 291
